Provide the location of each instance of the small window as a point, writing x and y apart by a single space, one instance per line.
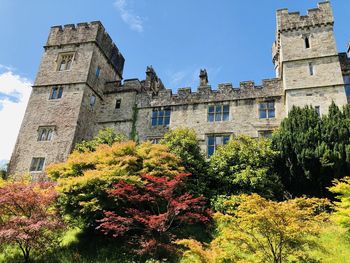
218 113
267 110
45 133
155 140
265 134
37 164
311 69
214 141
161 117
307 42
317 109
65 61
118 103
92 100
56 93
98 71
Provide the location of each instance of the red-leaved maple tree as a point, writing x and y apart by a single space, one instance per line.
27 218
151 215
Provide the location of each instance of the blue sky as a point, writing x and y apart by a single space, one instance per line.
230 38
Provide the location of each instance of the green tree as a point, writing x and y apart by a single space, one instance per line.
313 150
261 230
84 179
184 143
105 136
245 165
342 208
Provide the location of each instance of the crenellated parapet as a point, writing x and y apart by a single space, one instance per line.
205 94
320 16
81 33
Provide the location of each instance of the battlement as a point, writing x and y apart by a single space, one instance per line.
205 94
322 15
92 32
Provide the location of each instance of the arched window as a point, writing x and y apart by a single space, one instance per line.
307 42
65 61
63 65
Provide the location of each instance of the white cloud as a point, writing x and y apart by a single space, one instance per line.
14 95
134 21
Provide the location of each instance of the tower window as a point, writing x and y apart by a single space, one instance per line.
317 109
37 164
92 100
45 133
117 103
56 93
98 71
267 110
65 61
307 42
311 69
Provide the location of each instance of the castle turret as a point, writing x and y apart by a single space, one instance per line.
77 62
203 77
306 58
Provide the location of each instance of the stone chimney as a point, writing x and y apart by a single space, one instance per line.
203 77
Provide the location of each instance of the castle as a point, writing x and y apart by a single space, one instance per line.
79 89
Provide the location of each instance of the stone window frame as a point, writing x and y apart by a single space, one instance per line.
161 117
63 56
56 93
37 164
265 111
218 112
45 133
215 140
266 133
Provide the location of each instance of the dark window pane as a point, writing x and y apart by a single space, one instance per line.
262 114
271 113
60 92
118 102
210 150
262 106
271 105
211 109
226 139
226 116
167 113
161 113
218 117
218 108
160 120
347 90
166 120
211 140
226 108
210 117
154 114
154 121
54 93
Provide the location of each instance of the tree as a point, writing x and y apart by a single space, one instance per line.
261 230
104 136
150 216
245 165
313 150
184 143
342 208
27 217
84 179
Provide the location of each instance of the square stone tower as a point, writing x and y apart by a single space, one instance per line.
306 58
77 62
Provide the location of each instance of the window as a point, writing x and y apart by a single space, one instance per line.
117 103
218 113
307 42
214 141
346 79
265 134
311 69
317 109
56 93
155 140
92 100
37 164
98 71
65 61
45 133
267 110
160 117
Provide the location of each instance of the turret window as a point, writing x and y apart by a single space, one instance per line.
37 164
56 93
307 42
45 133
65 61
